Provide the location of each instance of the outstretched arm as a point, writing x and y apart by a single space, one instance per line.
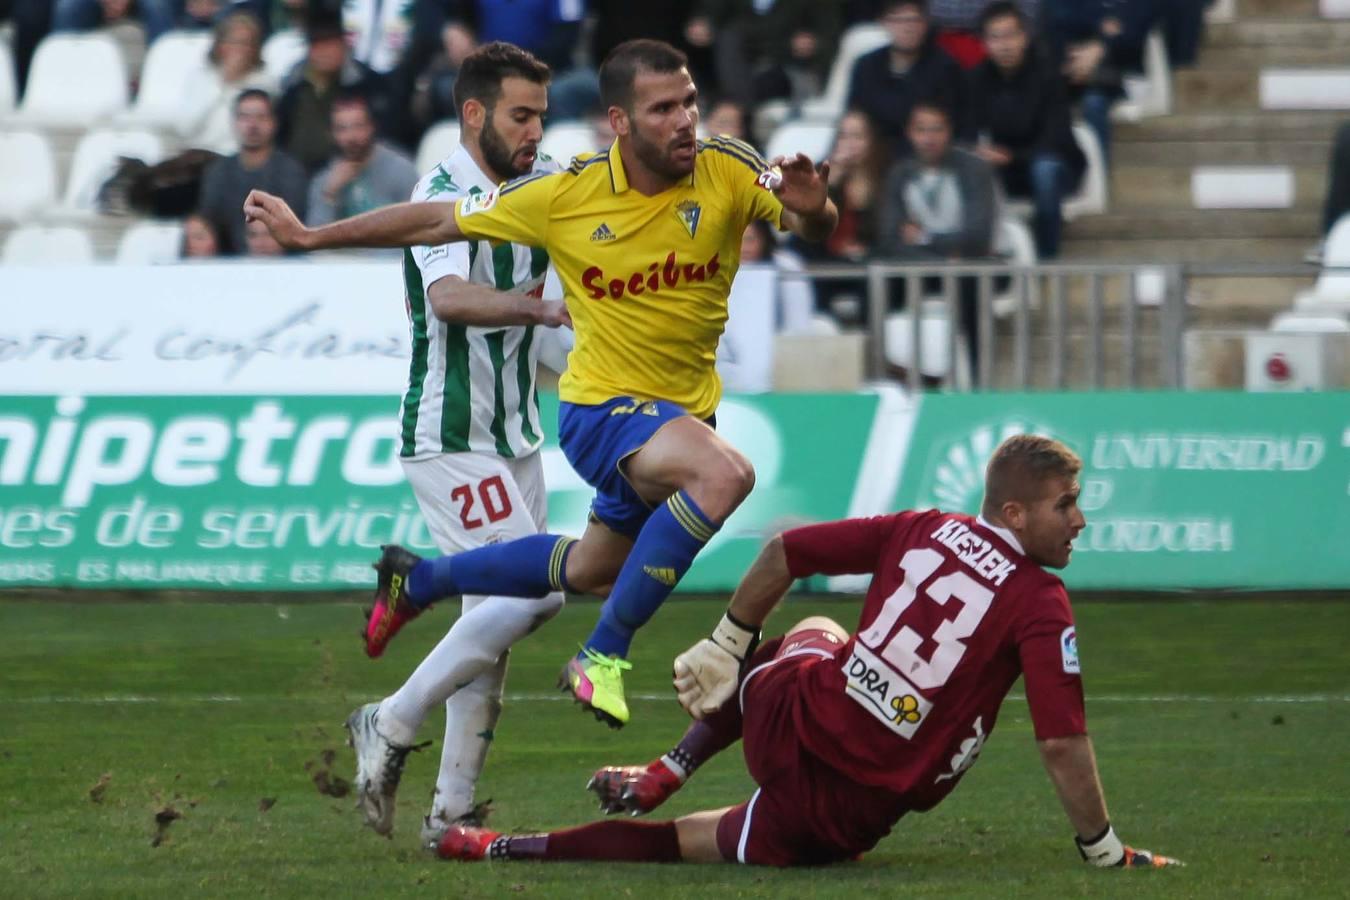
1072 767
464 302
400 225
808 211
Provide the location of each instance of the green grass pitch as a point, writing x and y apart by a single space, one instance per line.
1222 728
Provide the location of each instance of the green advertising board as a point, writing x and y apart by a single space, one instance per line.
1231 490
296 492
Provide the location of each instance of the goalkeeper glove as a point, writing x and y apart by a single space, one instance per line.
707 673
1107 851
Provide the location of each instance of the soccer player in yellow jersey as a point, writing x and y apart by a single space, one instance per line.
646 239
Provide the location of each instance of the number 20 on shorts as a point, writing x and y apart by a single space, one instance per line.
486 499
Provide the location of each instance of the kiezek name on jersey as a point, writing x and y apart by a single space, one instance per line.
975 551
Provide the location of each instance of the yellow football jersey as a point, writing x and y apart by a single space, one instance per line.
647 278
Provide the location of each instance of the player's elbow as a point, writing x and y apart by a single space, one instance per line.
446 297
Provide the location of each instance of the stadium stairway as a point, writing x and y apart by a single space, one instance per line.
1236 174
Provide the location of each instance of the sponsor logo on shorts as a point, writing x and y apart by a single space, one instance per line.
885 693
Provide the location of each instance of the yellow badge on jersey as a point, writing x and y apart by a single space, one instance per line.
689 213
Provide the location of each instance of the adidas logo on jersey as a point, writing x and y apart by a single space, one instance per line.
662 574
602 233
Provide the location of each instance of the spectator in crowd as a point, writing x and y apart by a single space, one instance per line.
858 163
434 93
766 50
200 238
258 164
886 82
82 15
958 27
32 19
1021 113
940 205
379 32
549 29
1096 42
234 64
366 173
1184 28
727 116
1337 201
304 112
617 21
258 241
796 301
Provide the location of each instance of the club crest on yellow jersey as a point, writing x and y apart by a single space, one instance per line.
689 213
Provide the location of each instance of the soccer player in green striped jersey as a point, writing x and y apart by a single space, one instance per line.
469 440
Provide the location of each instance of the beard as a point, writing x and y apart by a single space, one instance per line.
497 154
656 159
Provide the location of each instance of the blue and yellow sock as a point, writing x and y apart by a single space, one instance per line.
531 566
665 548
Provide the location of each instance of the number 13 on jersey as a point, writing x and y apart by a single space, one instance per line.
886 671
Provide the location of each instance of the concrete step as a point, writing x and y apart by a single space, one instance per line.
1239 56
1296 9
1168 187
1183 225
1208 89
1290 31
1233 125
1220 153
1152 251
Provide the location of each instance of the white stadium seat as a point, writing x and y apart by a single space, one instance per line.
934 343
815 139
29 180
151 243
439 142
76 80
34 245
1149 94
96 160
8 92
564 140
1332 291
282 51
857 41
168 64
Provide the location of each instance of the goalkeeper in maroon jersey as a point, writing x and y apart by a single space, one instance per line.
845 734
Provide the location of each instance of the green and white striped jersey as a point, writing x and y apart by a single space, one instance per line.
470 388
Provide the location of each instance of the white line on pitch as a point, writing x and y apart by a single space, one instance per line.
131 699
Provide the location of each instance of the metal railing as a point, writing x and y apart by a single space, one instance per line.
1027 295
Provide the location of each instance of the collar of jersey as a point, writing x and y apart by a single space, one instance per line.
618 178
1003 533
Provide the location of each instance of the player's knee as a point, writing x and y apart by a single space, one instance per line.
820 623
725 485
546 608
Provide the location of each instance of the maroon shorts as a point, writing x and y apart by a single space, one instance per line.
804 812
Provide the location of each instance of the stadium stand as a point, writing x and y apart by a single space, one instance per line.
439 142
856 41
29 182
96 159
150 243
812 138
1150 93
77 80
282 51
564 140
168 64
50 245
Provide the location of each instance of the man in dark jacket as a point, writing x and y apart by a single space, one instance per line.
1020 111
765 51
887 82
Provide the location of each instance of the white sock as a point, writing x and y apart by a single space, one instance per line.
470 719
486 630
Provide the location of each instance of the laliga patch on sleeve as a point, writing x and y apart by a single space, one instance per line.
476 203
1068 649
770 178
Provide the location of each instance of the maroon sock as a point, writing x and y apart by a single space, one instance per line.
707 737
617 840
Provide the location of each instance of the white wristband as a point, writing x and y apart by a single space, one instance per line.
1106 851
733 638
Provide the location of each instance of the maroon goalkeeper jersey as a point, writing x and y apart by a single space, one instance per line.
954 614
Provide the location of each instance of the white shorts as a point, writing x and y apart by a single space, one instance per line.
473 499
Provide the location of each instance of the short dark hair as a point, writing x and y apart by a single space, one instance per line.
483 71
621 67
255 94
890 6
1000 9
934 103
352 97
